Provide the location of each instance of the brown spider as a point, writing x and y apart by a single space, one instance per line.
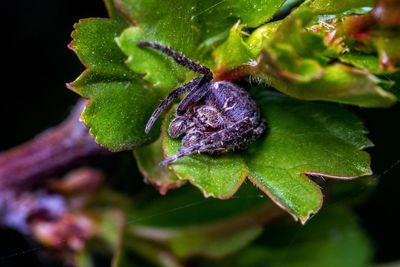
214 117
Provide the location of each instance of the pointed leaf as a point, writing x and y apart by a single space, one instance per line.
147 159
305 139
120 104
93 42
118 113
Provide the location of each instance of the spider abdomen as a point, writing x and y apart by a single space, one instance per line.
234 101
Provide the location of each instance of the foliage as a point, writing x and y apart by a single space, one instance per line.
210 231
339 53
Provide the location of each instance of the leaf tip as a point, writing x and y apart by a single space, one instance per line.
70 86
71 46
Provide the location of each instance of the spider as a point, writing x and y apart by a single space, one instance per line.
214 117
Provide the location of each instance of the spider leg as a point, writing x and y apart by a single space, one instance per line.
259 129
194 96
233 136
174 94
179 58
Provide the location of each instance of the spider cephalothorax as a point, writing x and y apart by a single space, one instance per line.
214 117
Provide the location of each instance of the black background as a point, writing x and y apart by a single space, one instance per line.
36 65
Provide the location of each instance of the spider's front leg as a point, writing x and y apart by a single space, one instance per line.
194 96
234 136
179 58
173 95
200 84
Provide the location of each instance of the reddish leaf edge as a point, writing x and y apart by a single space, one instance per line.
246 175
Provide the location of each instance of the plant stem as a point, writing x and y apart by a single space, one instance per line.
259 216
52 151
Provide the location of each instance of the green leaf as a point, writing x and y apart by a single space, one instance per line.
147 159
334 6
287 44
305 139
260 36
126 251
332 239
192 23
302 139
120 103
339 83
292 32
376 32
186 207
113 13
213 244
118 113
146 253
191 226
211 16
296 61
233 52
157 69
295 56
363 61
111 228
93 42
239 49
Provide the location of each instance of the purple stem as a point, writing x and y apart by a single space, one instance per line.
52 151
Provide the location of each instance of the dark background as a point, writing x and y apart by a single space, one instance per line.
37 65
